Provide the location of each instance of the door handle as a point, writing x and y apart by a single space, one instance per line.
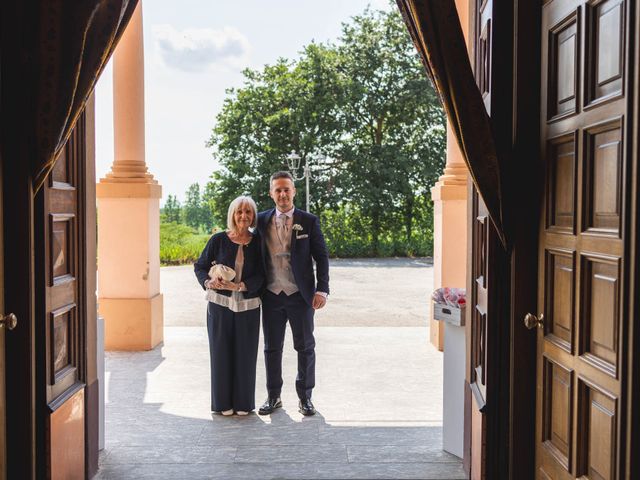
10 321
531 321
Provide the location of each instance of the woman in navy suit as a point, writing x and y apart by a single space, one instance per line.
233 313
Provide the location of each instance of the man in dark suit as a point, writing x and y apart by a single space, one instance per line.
291 240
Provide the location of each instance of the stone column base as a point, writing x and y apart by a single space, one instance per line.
132 323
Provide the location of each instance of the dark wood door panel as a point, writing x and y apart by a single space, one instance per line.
484 48
603 166
63 270
61 312
561 187
563 79
597 425
582 239
559 308
605 51
600 312
557 427
482 231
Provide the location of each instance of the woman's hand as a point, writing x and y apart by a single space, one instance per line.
221 284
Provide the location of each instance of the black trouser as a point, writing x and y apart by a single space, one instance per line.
233 348
276 310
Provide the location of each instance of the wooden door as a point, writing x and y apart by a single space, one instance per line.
581 264
60 315
488 262
482 237
3 448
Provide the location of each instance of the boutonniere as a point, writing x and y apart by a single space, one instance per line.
298 228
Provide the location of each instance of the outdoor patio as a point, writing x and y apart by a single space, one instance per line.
378 392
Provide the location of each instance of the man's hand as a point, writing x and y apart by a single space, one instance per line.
319 301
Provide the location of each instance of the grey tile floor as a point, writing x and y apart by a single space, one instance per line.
378 394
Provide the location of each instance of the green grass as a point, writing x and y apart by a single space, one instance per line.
180 244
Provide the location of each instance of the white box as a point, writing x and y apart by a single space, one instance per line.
446 313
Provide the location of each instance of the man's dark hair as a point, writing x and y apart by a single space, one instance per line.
280 174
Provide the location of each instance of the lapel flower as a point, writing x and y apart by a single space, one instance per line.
297 227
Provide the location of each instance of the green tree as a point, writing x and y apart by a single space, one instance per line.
365 105
291 105
171 210
192 210
393 144
209 207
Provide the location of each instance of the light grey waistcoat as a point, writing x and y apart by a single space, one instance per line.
279 275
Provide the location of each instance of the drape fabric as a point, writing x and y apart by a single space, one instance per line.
435 29
75 41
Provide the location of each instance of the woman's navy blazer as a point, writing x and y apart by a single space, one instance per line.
222 250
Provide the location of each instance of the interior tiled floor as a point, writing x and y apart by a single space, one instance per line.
378 394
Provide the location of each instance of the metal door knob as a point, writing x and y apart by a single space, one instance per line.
10 321
531 321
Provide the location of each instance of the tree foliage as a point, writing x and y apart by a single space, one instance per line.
196 211
364 113
171 211
393 149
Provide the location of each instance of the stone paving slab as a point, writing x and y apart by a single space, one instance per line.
271 471
378 394
400 453
379 413
368 290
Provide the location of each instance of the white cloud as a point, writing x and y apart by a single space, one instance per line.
197 49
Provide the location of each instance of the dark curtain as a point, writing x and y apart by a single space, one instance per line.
435 29
74 42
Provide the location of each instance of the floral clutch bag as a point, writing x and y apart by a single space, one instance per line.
222 271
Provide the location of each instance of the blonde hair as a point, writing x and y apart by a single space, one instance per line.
237 203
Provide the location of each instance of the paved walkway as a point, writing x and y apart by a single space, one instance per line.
378 393
390 292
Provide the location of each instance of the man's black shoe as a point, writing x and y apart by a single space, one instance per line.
269 405
306 408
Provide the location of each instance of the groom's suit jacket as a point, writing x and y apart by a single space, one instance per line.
307 243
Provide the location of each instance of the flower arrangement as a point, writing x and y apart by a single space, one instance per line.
453 297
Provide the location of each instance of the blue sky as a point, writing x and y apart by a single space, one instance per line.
192 54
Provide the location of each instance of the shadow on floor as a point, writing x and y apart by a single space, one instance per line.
165 431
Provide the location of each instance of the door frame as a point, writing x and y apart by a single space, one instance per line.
511 349
3 432
524 256
510 419
18 18
632 432
18 265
